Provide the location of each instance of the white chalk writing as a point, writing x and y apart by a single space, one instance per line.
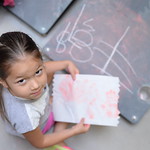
72 34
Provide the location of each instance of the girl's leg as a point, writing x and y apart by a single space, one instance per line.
59 126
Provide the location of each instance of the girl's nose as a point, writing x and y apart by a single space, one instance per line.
34 84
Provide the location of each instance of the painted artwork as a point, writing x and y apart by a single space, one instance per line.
93 97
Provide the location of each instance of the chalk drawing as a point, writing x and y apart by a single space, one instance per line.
72 34
114 49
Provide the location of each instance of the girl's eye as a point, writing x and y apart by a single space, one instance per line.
39 72
22 81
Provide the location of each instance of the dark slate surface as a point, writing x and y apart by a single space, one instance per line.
109 38
41 15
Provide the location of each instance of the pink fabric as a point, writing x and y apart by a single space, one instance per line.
49 123
67 147
9 3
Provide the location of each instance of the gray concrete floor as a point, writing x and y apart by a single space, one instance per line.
124 137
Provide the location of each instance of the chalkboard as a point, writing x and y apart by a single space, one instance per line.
109 37
41 15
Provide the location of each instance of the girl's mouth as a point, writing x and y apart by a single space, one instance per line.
38 92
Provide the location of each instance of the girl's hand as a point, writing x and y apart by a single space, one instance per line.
81 127
72 69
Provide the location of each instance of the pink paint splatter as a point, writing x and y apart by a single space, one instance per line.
90 113
113 111
92 101
112 96
66 88
110 106
103 106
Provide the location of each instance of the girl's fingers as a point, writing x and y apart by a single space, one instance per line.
74 74
82 121
77 71
87 125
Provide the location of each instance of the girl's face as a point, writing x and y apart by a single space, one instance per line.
27 78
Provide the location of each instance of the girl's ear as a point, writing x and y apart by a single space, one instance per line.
3 83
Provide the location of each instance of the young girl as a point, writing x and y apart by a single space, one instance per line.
25 101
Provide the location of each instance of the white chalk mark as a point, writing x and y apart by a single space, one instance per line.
76 22
60 40
85 23
114 49
82 43
118 67
111 75
77 43
83 60
123 57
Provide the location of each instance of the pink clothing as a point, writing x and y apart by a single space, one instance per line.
9 3
49 123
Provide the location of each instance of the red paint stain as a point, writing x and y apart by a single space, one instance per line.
112 96
103 106
92 101
90 113
114 111
110 106
66 88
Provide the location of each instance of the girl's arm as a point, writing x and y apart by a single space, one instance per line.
53 66
37 139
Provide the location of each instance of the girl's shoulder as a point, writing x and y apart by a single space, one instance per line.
25 116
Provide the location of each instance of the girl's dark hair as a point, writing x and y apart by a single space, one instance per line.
13 45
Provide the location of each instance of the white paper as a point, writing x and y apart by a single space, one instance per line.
93 97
